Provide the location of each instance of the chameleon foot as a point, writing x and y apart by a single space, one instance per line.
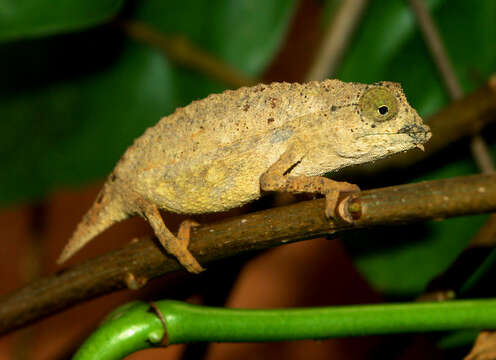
332 197
184 231
186 259
183 235
176 246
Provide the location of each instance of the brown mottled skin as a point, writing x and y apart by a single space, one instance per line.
227 149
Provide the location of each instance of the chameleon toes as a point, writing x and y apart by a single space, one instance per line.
184 231
175 246
185 257
332 197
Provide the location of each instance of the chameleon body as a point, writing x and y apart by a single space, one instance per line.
227 149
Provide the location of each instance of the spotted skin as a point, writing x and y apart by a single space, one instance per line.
228 149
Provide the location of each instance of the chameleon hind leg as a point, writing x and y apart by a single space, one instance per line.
176 246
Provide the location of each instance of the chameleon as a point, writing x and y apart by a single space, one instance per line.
229 149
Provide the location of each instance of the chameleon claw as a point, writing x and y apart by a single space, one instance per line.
187 260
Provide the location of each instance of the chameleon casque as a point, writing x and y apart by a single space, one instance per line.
227 149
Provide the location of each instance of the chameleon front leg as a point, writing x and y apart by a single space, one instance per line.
176 246
278 178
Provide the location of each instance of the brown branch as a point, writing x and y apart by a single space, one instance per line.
141 260
336 39
184 52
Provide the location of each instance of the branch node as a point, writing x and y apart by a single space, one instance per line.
350 209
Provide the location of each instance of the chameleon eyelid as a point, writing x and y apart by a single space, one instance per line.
377 98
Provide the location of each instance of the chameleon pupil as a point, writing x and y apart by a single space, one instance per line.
383 110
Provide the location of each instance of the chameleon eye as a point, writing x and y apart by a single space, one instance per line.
378 104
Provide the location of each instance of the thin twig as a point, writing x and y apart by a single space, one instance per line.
438 51
143 259
184 52
481 154
336 39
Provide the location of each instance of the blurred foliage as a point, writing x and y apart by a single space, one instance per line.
72 102
20 19
388 46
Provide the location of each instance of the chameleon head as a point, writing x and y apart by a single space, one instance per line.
383 124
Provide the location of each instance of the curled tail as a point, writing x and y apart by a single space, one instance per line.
105 211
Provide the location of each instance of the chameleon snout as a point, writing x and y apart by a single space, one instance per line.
420 133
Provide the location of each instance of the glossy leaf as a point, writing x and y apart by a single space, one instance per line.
31 18
72 104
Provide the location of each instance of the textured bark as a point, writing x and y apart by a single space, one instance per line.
143 259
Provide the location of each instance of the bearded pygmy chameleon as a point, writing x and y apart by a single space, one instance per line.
227 149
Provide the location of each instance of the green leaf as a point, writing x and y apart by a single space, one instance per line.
31 18
244 33
70 105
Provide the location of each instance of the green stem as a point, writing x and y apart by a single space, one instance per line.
136 327
129 328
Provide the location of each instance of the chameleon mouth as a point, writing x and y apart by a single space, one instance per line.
417 138
416 135
419 133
